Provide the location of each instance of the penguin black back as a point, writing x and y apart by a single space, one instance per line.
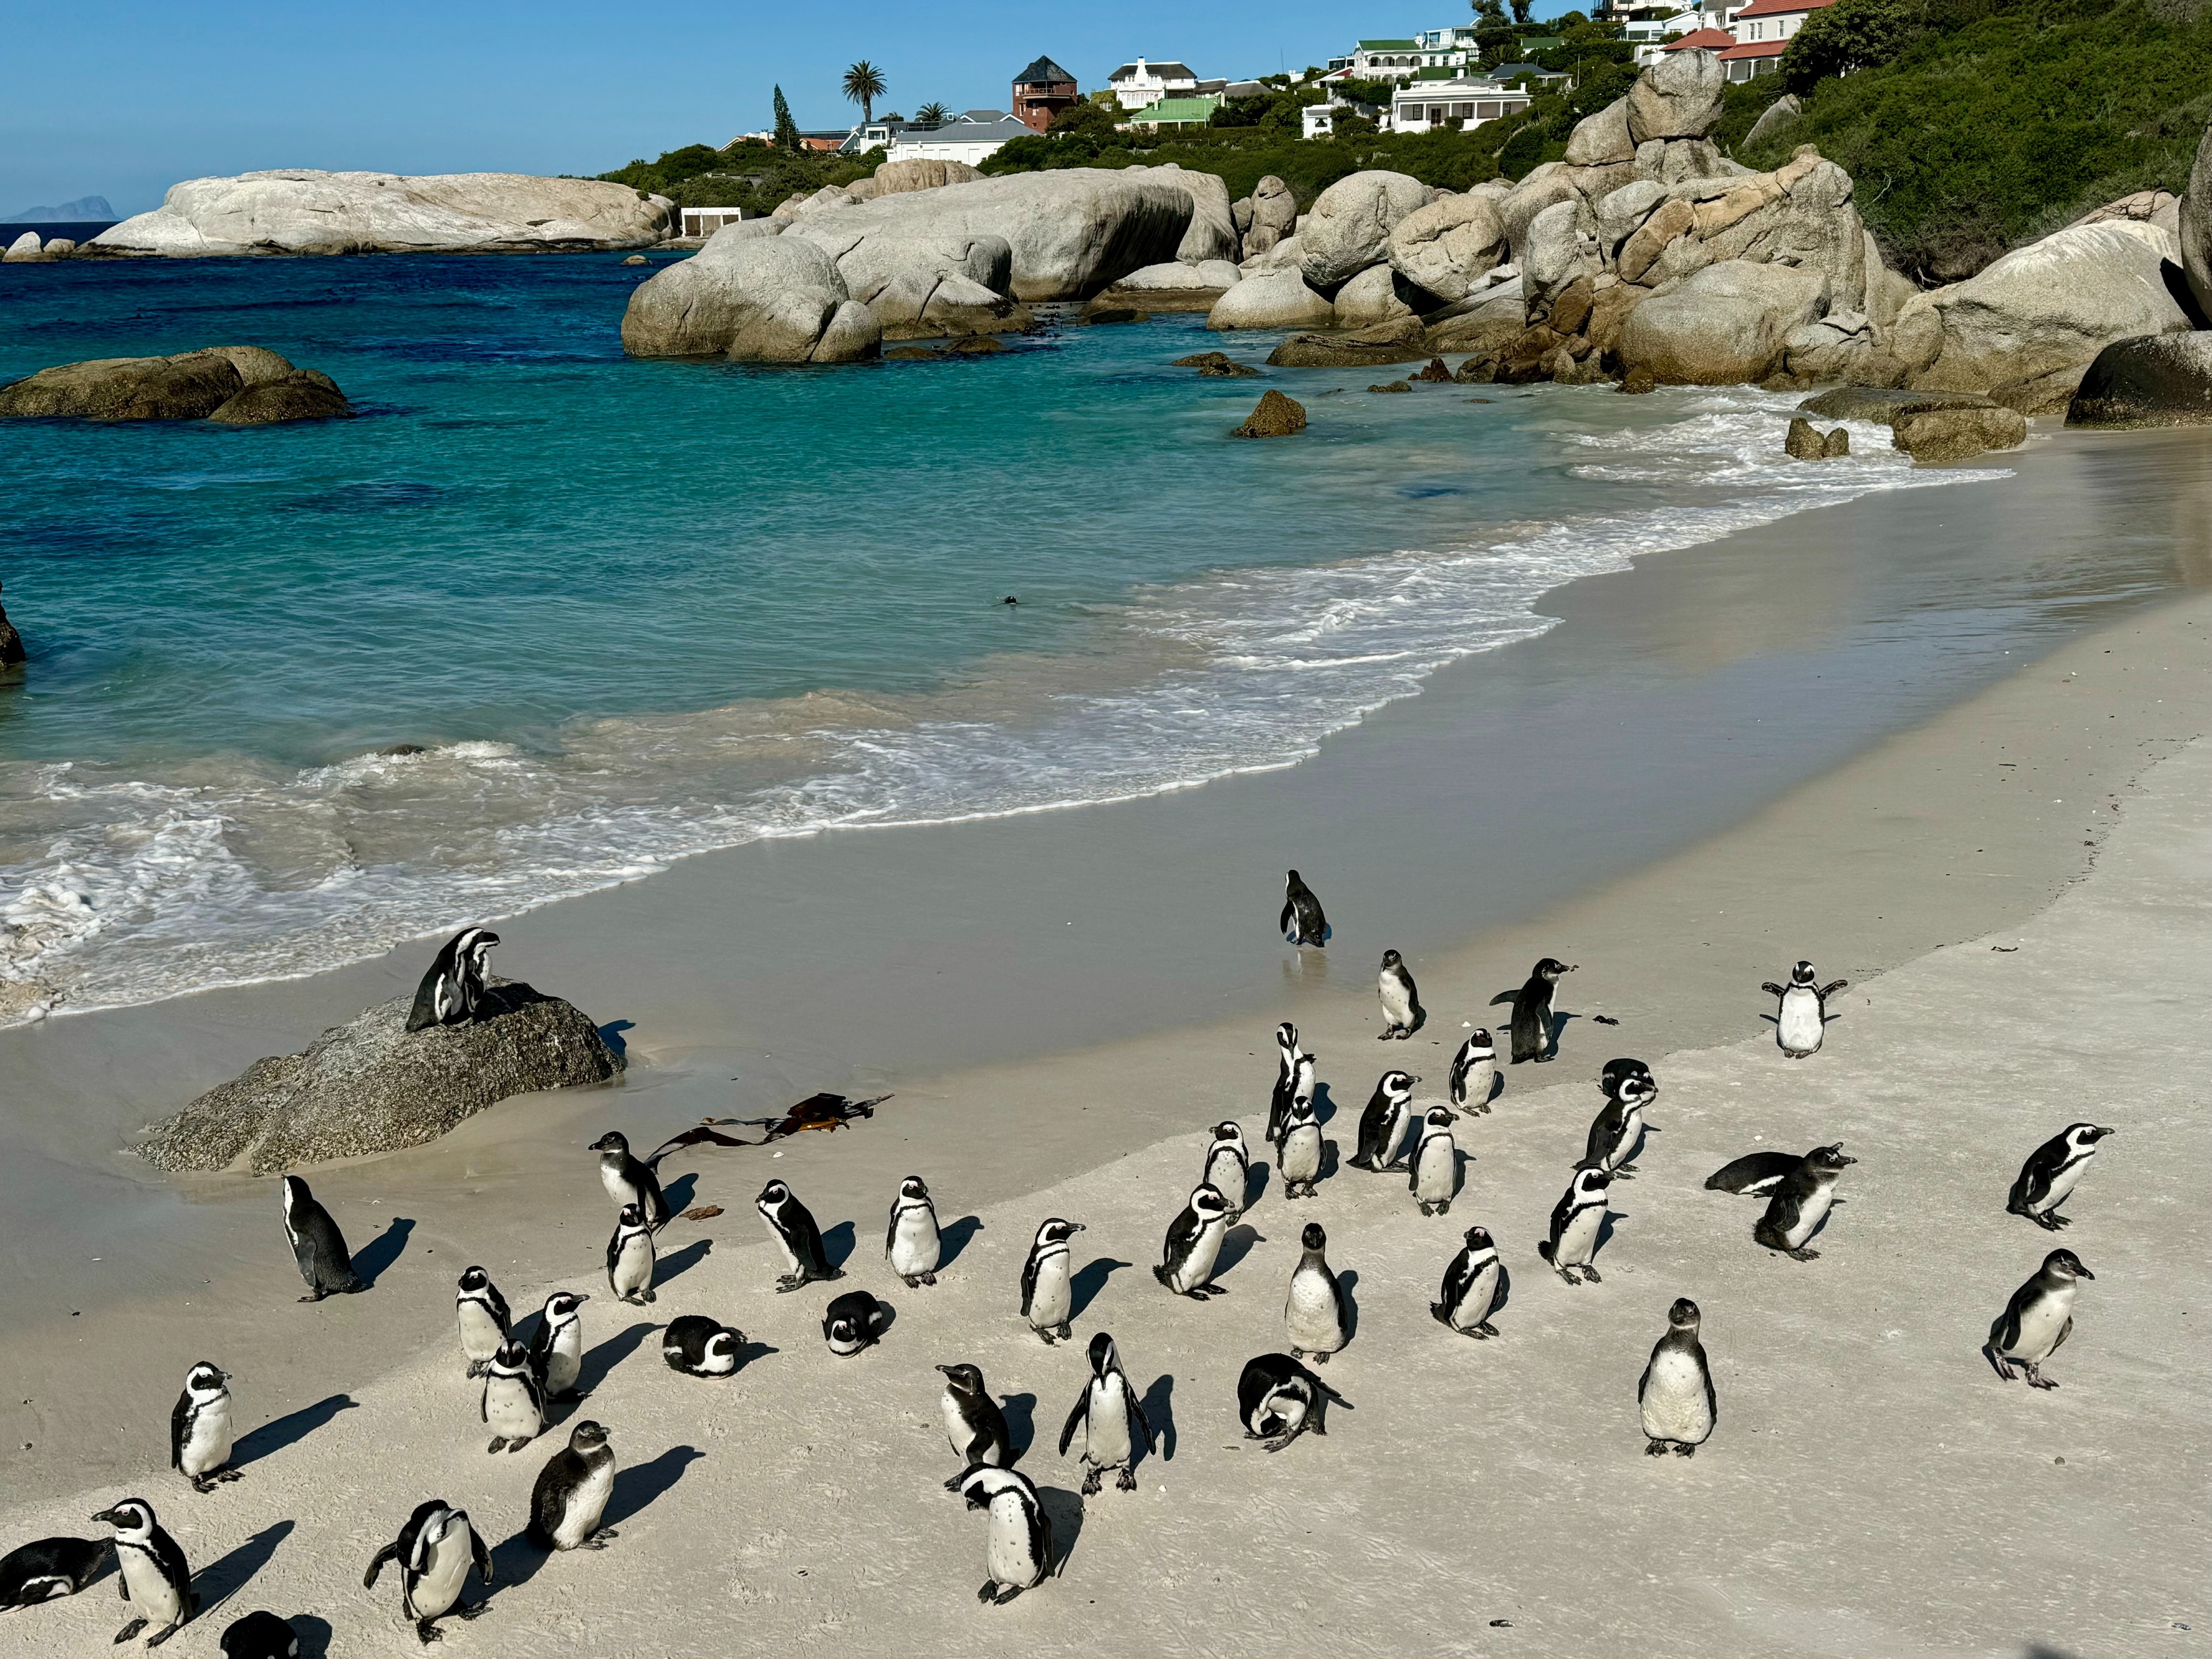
47 1569
1302 921
260 1634
1532 1011
853 1321
317 1246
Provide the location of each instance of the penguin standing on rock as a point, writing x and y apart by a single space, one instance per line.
791 1224
1432 1172
157 1582
1228 1166
1618 1130
512 1406
974 1423
853 1321
47 1569
1302 921
1532 1012
1298 1153
700 1346
1472 1071
2039 1319
1800 1202
1802 1015
557 1346
2050 1174
1676 1391
1382 1125
1314 1313
435 1549
630 1181
1018 1552
481 1314
200 1432
1402 1013
912 1244
572 1492
631 1258
1577 1220
1114 1424
1193 1246
317 1245
1047 1279
453 989
1278 1400
1473 1285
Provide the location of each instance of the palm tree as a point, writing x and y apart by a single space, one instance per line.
931 115
863 84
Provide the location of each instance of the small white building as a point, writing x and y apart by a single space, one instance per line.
705 221
1143 84
969 137
1420 105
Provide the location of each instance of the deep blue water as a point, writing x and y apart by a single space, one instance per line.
633 610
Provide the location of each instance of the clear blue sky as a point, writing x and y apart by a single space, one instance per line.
122 99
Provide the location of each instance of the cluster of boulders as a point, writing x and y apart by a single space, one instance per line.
233 385
28 249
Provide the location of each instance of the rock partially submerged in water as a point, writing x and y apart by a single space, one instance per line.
237 385
2160 379
11 642
373 1086
1956 434
1276 416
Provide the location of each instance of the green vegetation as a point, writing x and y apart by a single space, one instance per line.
1974 125
747 174
786 130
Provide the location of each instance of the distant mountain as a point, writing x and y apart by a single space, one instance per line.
85 207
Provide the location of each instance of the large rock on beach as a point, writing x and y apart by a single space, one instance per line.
1275 417
1401 340
1886 405
1954 434
1449 245
920 282
1678 97
1275 214
2195 226
1601 138
2160 379
1349 227
898 178
238 386
1493 312
298 211
1274 298
772 300
1728 323
374 1086
1377 294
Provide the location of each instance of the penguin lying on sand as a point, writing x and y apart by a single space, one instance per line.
260 1634
1278 1400
700 1346
47 1569
1756 1174
853 1321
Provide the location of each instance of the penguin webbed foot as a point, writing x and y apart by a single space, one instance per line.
1657 1448
313 1295
1127 1480
426 1632
1801 1254
1998 1363
1092 1481
1484 1329
472 1610
2036 1379
788 1283
989 1593
1685 1451
478 1368
128 1631
161 1635
497 1445
600 1539
1592 1274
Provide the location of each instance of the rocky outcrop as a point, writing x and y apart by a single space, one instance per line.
1447 247
1494 311
1349 227
1934 435
2162 208
1278 298
302 211
26 249
1678 97
898 178
1400 341
1274 213
1884 405
236 385
1807 442
1275 416
1173 287
921 282
2039 315
11 642
2161 380
2194 226
1377 294
374 1086
1728 323
1212 232
1783 112
774 300
1216 366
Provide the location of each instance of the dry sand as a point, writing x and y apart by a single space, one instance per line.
1872 1487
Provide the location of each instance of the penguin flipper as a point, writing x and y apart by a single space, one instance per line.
389 1552
180 1417
1827 991
1771 988
482 1552
1080 1414
2065 1331
1283 924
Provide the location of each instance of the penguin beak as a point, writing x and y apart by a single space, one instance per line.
109 1517
2081 1272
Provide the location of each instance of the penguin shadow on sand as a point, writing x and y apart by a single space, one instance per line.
954 1236
1324 1103
312 1632
1347 1280
1020 1413
223 1577
370 1261
641 1485
1085 1287
1236 1244
1159 1411
677 1263
1064 1509
837 1244
1257 1179
600 1360
681 1193
287 1431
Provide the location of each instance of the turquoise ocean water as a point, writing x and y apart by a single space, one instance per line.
629 611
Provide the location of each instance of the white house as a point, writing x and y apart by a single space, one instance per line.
1647 26
1396 60
1468 99
1762 31
1142 84
969 137
705 221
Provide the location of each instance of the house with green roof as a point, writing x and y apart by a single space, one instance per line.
1177 112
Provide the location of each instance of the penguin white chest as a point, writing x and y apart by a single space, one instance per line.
208 1442
1300 1155
1106 1435
2040 1323
1674 1403
1477 1300
1810 1214
1311 1314
564 1363
509 1410
1054 1295
1435 1169
151 1593
914 1245
1578 1238
480 1332
1008 1556
782 1243
445 1570
1224 1170
618 1185
1396 1003
1205 1251
955 1427
579 1516
632 1268
2061 1184
1287 1409
1475 1086
1632 1130
1799 1025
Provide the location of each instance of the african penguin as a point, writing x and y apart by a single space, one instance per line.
1532 1012
482 1313
911 1243
631 1258
853 1321
974 1423
1302 921
200 1432
1577 1220
1401 1001
1617 1129
452 990
317 1244
156 1581
1803 1011
1228 1165
1382 1125
2048 1178
1314 1312
572 1492
1473 1070
1301 1082
557 1346
436 1547
1018 1541
1676 1391
700 1346
1047 1279
1278 1400
512 1408
1801 1203
1474 1284
1756 1174
1298 1153
260 1634
1432 1172
791 1224
1113 1422
627 1181
1192 1245
1610 1077
2039 1319
47 1569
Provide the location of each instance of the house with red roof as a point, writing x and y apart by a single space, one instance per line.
1761 31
